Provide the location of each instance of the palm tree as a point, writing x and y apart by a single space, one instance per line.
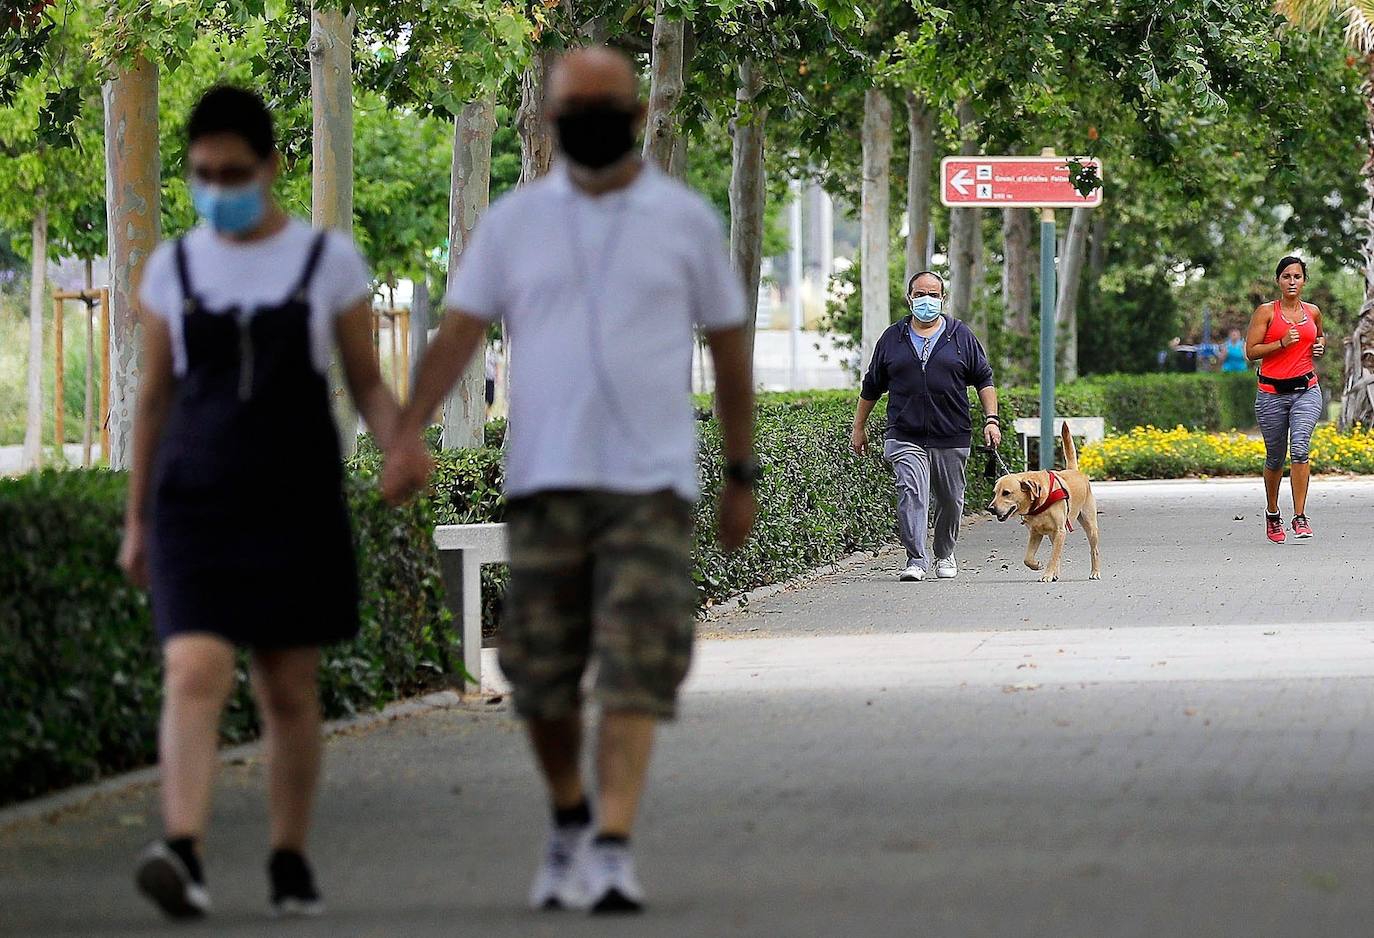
1358 17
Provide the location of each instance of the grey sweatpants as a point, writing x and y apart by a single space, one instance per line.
921 474
1285 417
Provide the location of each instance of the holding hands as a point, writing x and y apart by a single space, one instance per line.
407 468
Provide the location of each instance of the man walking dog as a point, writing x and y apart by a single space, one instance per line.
925 363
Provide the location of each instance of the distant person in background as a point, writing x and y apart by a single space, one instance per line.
236 515
1166 355
1185 358
1285 337
1233 353
489 367
1209 355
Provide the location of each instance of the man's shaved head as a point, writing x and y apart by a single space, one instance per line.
593 75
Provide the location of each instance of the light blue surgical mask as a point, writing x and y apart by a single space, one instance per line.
926 308
230 210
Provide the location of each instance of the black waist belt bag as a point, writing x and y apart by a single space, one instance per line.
1288 385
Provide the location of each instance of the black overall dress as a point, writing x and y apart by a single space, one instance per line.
250 535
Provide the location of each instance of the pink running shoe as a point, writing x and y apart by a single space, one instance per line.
1301 529
1273 527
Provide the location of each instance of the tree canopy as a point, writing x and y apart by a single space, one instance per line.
1225 132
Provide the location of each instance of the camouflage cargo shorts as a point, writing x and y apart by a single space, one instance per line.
598 577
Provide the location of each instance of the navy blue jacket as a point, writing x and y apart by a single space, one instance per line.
928 404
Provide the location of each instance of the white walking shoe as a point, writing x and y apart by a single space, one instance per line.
609 874
946 568
559 883
912 574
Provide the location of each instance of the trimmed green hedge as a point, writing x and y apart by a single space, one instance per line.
817 501
79 671
1204 401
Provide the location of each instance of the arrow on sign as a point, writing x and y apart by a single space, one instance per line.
960 181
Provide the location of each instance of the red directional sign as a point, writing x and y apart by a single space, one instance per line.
1010 181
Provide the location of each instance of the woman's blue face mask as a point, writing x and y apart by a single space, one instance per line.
230 210
926 308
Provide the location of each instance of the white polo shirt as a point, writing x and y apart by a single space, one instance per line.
600 296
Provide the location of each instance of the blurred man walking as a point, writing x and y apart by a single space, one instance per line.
601 271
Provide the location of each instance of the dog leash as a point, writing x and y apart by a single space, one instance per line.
994 463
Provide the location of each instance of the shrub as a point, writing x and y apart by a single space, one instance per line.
1076 399
466 489
1203 401
1236 392
79 667
817 501
79 670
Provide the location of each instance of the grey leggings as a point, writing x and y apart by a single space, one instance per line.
1282 416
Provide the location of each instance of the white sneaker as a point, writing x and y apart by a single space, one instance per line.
912 574
559 884
946 568
609 876
164 879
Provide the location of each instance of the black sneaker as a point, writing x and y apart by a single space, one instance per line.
162 876
293 885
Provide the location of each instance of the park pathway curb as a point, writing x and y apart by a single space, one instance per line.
49 807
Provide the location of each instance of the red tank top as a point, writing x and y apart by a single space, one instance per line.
1296 360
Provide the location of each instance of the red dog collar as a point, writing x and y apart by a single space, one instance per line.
1057 493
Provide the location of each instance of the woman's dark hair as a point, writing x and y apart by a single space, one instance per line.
225 109
1287 262
925 273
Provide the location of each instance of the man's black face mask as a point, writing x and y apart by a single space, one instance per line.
598 135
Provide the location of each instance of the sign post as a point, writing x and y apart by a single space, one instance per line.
1044 182
1048 291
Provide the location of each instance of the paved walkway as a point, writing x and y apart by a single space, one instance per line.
1184 748
12 457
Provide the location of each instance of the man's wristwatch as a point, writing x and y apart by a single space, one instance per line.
992 418
744 471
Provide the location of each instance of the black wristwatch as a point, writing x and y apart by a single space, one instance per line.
744 471
992 417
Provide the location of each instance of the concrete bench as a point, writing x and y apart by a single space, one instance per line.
463 549
1089 429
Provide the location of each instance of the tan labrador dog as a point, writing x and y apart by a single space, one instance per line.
1048 503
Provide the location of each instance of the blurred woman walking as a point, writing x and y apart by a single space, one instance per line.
236 514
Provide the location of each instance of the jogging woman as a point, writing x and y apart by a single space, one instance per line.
1285 336
236 514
